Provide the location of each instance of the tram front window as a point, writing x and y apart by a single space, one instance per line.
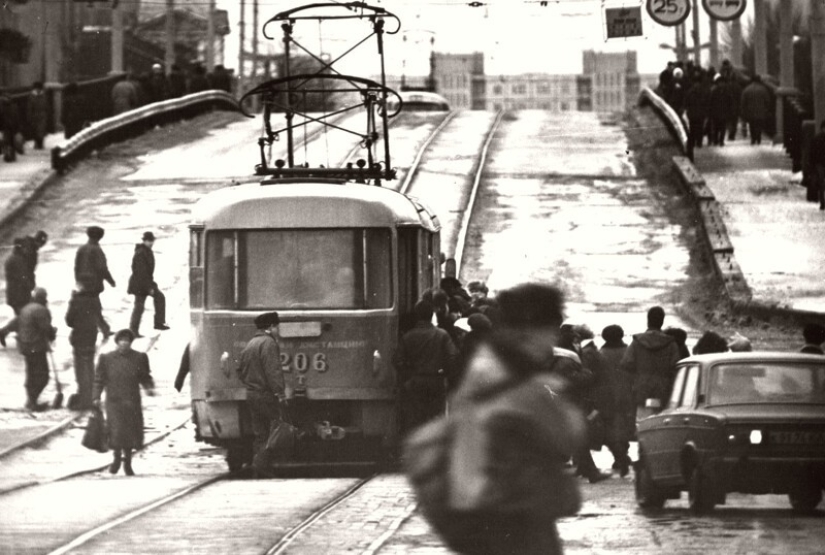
299 269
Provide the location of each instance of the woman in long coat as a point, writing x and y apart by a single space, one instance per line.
120 373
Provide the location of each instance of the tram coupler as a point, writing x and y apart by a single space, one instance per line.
327 432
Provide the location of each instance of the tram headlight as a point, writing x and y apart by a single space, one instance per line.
377 362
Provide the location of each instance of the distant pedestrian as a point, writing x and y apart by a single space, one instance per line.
697 108
72 116
478 293
260 372
31 247
721 105
176 82
623 428
817 163
37 114
120 373
157 85
651 359
19 278
34 336
710 342
738 343
125 95
814 335
680 336
198 82
10 129
90 267
220 79
142 284
82 316
426 360
756 108
676 92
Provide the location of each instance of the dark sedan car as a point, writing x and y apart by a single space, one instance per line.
737 422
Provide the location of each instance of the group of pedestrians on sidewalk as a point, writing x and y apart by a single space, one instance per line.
33 320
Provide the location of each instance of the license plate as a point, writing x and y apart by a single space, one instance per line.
798 438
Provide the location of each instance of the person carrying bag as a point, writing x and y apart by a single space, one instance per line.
95 437
490 477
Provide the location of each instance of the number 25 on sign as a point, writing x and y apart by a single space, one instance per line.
668 12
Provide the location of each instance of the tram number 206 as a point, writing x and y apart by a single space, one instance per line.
301 362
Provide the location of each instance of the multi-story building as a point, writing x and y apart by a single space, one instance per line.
614 79
460 79
531 91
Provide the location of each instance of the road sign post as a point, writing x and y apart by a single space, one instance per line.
668 12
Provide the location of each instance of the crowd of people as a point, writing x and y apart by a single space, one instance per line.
17 125
713 102
32 321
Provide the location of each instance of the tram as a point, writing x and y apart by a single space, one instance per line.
342 259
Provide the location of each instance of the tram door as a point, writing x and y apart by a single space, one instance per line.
415 270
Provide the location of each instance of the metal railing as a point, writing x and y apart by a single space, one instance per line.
674 123
133 122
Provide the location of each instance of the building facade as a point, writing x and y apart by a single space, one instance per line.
460 79
614 79
532 91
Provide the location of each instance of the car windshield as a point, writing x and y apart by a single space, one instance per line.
767 382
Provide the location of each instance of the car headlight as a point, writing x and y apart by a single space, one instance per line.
755 437
746 437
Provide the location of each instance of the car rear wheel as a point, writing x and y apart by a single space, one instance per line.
701 496
648 494
805 500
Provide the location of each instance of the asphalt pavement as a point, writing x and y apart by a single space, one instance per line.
776 235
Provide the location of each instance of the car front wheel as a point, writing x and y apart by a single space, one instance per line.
700 492
805 500
648 494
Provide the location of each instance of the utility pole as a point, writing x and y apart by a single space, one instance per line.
786 66
736 42
210 37
254 73
714 43
818 59
170 36
242 39
697 41
117 38
760 39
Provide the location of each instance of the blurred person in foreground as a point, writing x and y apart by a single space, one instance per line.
120 373
513 432
814 335
710 342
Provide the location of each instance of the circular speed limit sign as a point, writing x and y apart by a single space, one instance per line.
724 10
668 12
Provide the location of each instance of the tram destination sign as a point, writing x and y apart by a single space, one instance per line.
668 12
724 10
623 22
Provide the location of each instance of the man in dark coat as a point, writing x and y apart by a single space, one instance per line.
19 285
90 267
37 114
816 155
697 103
81 317
651 359
120 373
426 360
10 121
31 246
34 336
756 108
721 104
220 79
814 335
142 284
260 372
73 115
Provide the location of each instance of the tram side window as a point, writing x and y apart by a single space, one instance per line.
220 269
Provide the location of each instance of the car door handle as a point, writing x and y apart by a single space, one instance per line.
686 420
666 421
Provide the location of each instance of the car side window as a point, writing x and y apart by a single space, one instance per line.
678 387
691 386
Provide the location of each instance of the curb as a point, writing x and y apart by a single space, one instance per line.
721 250
24 197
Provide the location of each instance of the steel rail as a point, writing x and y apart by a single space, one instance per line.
411 173
468 210
93 533
288 538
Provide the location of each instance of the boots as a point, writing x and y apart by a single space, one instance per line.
115 466
127 463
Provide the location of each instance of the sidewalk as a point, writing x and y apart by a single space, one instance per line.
777 236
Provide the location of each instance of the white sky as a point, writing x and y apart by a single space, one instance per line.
517 36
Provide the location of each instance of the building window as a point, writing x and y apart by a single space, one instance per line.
519 89
497 90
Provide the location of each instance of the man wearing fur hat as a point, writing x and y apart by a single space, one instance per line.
260 372
90 268
142 284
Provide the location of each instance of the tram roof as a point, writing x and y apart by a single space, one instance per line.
302 204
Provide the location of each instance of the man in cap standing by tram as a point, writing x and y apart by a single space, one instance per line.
260 371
